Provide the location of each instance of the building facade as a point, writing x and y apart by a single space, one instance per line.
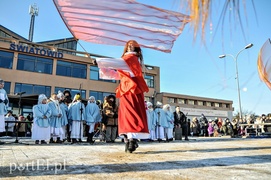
30 69
194 106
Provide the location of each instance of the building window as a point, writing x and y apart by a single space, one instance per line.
209 104
217 105
99 95
227 105
181 101
32 89
6 59
7 87
149 81
71 69
200 103
191 102
4 34
34 64
72 91
94 75
171 100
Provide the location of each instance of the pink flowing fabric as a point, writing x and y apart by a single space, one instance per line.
114 22
264 63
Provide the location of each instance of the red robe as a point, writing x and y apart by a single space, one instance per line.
132 113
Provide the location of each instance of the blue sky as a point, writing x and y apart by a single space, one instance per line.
191 68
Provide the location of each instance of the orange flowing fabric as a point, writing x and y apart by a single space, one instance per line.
132 114
264 63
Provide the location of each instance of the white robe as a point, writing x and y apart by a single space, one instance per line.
77 129
2 123
40 133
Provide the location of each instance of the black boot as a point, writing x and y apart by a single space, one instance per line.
132 145
51 140
91 141
74 141
58 140
37 142
88 138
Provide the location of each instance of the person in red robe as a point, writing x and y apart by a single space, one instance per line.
132 114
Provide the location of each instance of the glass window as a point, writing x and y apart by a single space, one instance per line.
6 59
171 100
99 95
149 81
7 87
217 105
71 69
191 102
94 75
73 91
181 101
35 64
32 89
208 104
200 103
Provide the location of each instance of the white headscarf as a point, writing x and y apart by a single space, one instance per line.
149 104
159 104
60 94
165 107
41 98
91 98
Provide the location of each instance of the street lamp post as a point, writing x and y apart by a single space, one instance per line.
237 77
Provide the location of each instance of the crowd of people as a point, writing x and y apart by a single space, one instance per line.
226 127
62 118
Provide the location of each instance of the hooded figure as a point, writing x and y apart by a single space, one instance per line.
55 119
170 121
3 106
64 114
76 117
161 121
151 116
93 116
41 124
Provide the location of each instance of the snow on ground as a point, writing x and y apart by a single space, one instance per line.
198 158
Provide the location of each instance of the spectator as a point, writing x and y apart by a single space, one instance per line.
21 126
9 126
195 127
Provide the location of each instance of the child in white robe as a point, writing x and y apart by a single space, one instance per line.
41 126
76 117
161 121
93 116
170 120
151 116
55 119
